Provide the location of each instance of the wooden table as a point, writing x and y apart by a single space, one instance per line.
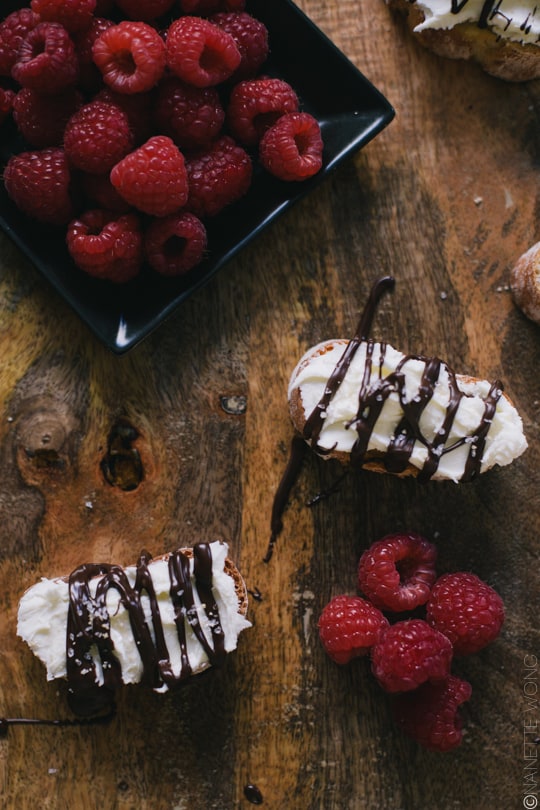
445 200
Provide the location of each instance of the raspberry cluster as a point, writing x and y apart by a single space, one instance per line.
143 119
411 655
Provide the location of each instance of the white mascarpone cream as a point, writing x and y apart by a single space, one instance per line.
504 440
517 20
43 613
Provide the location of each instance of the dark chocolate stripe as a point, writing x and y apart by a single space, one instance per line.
89 623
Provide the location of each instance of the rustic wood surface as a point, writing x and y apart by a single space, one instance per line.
445 199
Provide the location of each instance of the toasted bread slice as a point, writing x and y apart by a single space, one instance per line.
403 414
492 48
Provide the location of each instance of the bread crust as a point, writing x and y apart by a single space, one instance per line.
503 58
525 283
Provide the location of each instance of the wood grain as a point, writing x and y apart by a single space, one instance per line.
445 199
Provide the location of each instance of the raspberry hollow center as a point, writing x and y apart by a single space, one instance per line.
210 59
174 246
125 63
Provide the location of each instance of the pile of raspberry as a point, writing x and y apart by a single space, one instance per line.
143 119
411 623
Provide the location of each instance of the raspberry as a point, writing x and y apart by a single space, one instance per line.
256 104
40 119
397 572
409 653
175 244
292 148
251 37
145 10
106 246
153 178
467 610
210 6
97 137
47 62
38 182
7 98
13 30
218 177
349 627
130 56
74 15
430 713
191 116
89 75
200 52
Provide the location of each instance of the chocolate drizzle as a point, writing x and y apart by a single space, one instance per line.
89 625
372 397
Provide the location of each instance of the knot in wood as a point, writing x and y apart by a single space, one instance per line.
43 437
122 466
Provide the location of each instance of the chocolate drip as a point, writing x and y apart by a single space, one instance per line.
7 722
281 498
89 627
253 794
478 444
486 11
315 421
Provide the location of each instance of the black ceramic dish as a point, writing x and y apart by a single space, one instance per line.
350 111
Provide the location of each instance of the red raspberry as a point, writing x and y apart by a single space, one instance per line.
47 62
106 246
13 30
40 119
409 653
38 182
97 137
349 627
218 177
200 52
175 244
153 178
7 98
130 56
292 148
256 104
467 610
145 10
191 116
102 194
397 572
210 6
430 713
251 37
89 75
136 107
74 15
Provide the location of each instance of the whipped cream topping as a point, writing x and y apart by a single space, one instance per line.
412 408
43 619
517 20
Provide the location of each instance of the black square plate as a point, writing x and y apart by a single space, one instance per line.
350 111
